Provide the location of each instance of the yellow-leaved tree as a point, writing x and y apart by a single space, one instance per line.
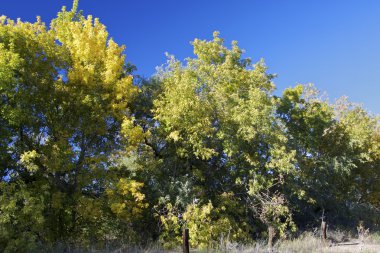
65 93
217 113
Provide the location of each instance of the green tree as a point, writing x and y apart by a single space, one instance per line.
65 94
362 131
218 113
335 153
92 156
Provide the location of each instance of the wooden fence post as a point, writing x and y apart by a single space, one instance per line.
271 234
323 226
324 230
185 239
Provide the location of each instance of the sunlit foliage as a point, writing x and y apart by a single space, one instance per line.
92 157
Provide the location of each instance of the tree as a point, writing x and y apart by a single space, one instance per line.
65 94
334 151
362 130
92 156
217 112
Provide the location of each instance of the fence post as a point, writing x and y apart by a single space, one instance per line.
323 226
324 230
271 234
185 239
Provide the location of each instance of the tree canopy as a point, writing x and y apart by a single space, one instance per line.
92 155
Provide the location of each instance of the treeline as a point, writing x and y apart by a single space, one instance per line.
93 156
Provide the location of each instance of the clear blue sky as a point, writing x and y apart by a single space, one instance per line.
333 44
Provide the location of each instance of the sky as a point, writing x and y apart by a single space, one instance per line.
333 44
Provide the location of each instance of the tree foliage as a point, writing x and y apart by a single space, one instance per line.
92 156
65 94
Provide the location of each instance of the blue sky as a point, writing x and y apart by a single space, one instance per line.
333 44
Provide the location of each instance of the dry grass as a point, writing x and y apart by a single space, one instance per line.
338 242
